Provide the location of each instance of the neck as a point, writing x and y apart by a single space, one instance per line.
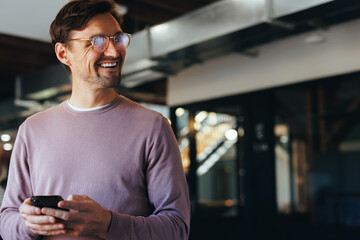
85 97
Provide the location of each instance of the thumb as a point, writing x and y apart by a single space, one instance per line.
76 197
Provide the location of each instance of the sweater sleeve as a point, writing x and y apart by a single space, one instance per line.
167 191
18 188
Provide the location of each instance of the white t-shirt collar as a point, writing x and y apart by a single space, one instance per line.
85 109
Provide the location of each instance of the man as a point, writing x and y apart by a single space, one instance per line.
118 162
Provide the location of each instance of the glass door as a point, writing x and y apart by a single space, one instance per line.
217 136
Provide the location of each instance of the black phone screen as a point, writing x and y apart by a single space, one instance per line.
49 201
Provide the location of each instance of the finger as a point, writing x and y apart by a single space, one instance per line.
81 206
38 219
49 233
46 227
64 216
72 225
27 208
86 197
75 197
67 223
61 214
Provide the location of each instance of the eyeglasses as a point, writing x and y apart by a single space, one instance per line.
101 42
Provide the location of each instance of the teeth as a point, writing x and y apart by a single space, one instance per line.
108 65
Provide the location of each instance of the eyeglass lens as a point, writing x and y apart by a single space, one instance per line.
101 42
121 40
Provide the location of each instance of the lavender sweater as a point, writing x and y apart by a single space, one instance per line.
123 156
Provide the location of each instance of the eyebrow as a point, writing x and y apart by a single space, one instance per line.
105 34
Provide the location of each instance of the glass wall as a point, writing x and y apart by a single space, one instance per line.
317 132
286 159
216 135
291 148
216 138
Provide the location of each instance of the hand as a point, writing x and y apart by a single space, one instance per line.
88 218
37 223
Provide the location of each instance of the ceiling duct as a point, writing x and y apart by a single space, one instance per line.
147 55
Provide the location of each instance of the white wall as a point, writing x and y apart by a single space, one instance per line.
29 19
287 61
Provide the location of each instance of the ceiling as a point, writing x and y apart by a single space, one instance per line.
25 47
25 44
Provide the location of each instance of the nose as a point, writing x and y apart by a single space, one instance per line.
111 50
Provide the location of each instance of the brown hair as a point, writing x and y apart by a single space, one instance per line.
76 14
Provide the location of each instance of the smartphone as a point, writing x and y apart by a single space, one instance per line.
49 201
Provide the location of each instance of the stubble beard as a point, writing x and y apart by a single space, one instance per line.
108 82
112 81
99 80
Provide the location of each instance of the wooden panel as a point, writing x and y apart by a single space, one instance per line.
20 56
147 13
175 5
158 11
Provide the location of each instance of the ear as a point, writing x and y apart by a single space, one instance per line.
61 51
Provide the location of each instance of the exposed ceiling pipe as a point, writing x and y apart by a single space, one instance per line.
210 22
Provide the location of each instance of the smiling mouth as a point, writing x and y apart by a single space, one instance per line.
108 65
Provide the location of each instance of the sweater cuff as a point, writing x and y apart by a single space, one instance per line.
119 226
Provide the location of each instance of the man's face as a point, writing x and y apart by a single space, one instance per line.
101 70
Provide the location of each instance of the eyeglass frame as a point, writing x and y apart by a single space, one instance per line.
107 42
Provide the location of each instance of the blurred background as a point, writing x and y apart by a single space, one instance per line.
262 95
